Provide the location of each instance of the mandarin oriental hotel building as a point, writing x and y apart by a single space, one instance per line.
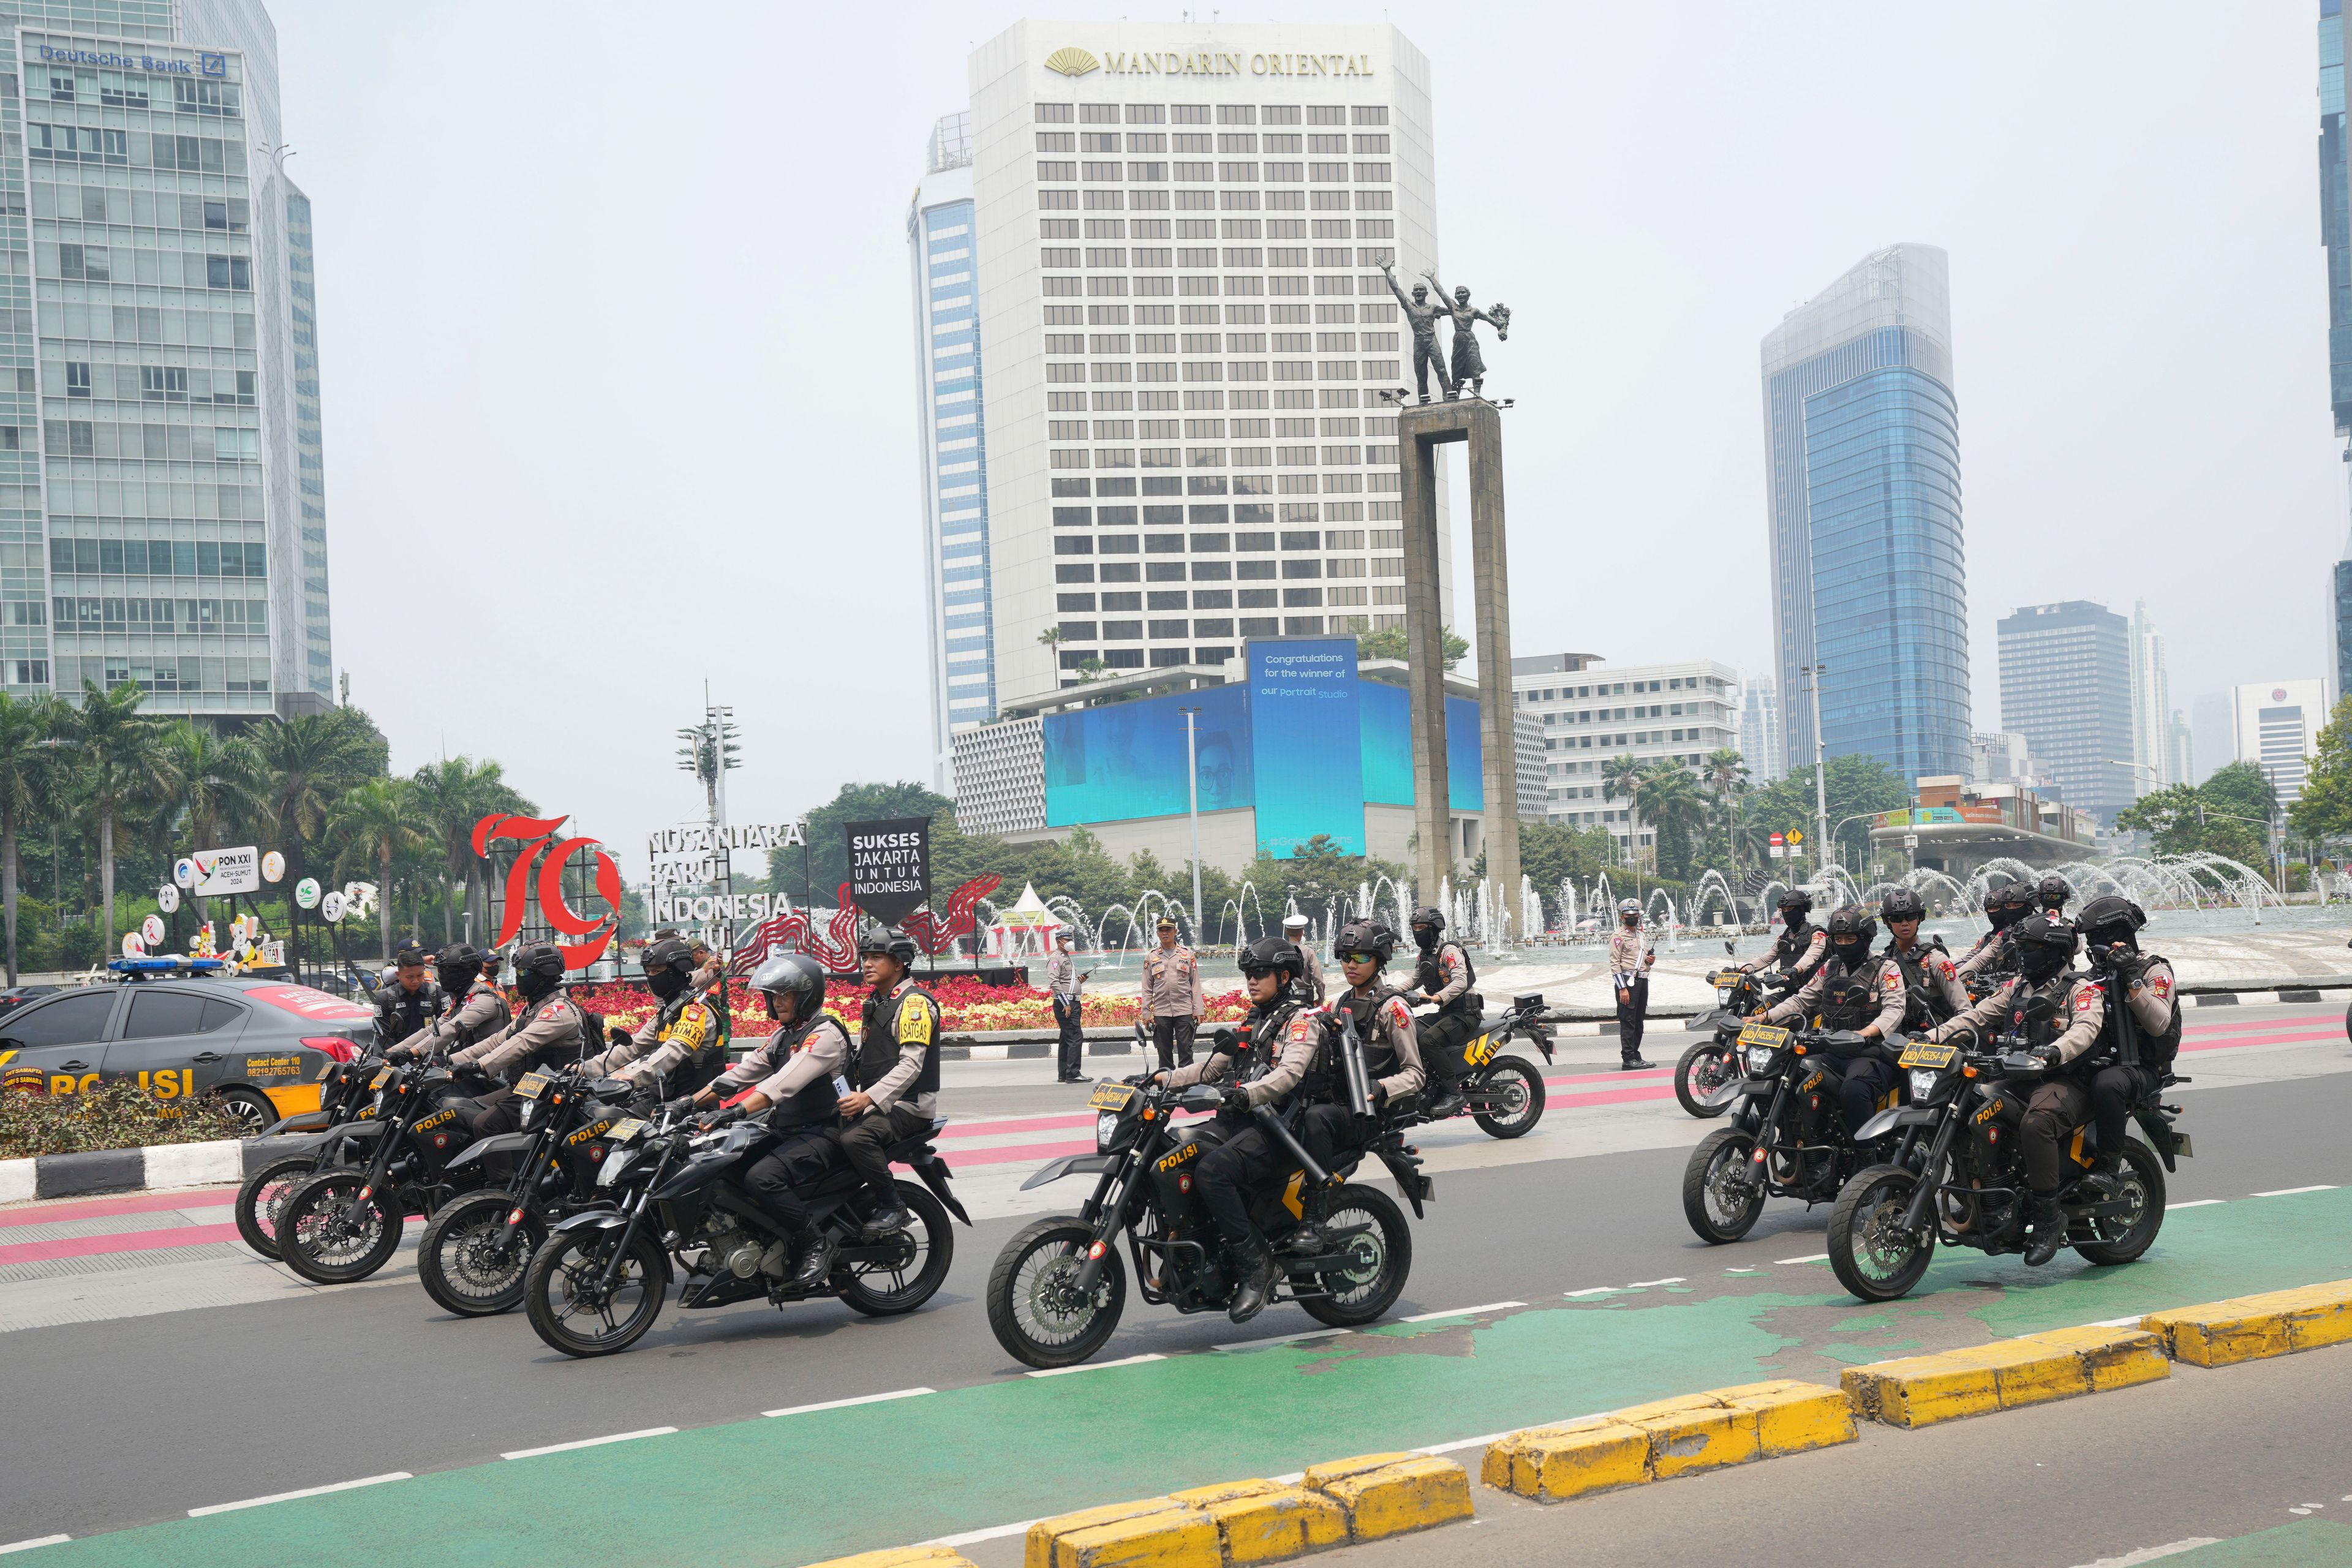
1176 235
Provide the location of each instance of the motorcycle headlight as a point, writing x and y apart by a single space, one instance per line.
1106 1129
530 1112
1923 1084
615 1163
1760 1057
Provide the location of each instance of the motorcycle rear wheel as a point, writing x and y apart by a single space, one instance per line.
1505 1077
331 1236
1708 1094
1723 1153
261 1198
1866 1254
1370 1287
460 1262
2142 1172
1030 1308
884 1291
554 1287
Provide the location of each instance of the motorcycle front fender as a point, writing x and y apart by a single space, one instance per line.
308 1122
590 1219
1885 1121
482 1148
1068 1165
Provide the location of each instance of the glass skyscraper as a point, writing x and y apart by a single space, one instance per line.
2335 212
2066 685
1863 483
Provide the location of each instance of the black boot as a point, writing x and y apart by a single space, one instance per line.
1306 1240
814 1262
1446 1099
1258 1274
890 1213
1634 1063
2046 1231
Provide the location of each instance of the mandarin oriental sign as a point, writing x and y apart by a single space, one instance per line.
1207 62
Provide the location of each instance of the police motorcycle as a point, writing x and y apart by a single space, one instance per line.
472 1254
1058 1288
345 1222
674 1207
345 1095
1787 1137
1708 1078
1503 1094
1957 1177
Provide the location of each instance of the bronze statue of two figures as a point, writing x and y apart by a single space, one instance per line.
1468 366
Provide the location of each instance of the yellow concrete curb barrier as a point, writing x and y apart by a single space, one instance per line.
903 1557
1919 1391
2249 1327
1240 1522
1669 1438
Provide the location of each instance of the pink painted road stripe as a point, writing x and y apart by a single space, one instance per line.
121 1241
133 1202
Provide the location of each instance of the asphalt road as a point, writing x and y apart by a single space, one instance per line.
135 1418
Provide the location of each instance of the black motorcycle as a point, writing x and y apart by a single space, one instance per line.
1787 1137
681 1210
1707 1078
345 1222
472 1255
345 1095
1057 1289
1958 1178
1505 1094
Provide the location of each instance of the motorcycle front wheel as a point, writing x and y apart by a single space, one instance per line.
469 1264
1870 1252
563 1298
1518 1088
1706 1080
1723 1187
1034 1305
261 1198
914 1274
330 1235
1380 1255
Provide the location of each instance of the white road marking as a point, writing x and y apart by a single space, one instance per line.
975 1537
2130 1323
1436 1448
2196 1204
2150 1553
1816 1257
1094 1366
1462 1312
28 1545
306 1491
1743 1271
1283 1339
1595 1290
2290 1192
845 1404
588 1443
1676 1279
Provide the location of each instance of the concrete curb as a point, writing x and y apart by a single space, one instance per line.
147 1168
1669 1438
2007 1375
2254 1328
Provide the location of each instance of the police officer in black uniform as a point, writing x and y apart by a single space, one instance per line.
1801 947
1853 989
1994 955
2140 985
1443 976
895 1076
411 1003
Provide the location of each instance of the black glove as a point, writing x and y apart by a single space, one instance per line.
1237 1101
2046 1054
680 1106
720 1117
1136 1079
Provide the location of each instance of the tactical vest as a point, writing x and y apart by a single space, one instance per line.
400 1014
2033 1012
1789 948
1428 978
1924 1006
1267 1026
2158 1051
1379 1061
877 1044
816 1102
462 1036
1849 998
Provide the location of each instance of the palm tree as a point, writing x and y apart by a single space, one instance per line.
1726 772
116 752
306 763
452 795
1619 776
1668 798
378 821
211 781
29 781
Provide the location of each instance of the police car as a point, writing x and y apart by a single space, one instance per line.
182 1028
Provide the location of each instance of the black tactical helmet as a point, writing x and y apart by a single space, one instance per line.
457 966
1797 899
2054 890
1902 904
1365 936
891 943
793 974
667 953
1426 918
2045 945
2111 917
2007 904
1853 920
1272 954
539 969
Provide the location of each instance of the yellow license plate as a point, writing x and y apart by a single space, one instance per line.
1480 1051
1925 1055
1110 1097
382 1076
628 1127
1768 1035
530 1083
1726 977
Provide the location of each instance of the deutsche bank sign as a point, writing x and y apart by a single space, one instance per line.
206 64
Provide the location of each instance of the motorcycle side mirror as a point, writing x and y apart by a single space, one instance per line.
616 1034
1201 1096
609 1089
1731 951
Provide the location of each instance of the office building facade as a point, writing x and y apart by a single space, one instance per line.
2151 698
2066 687
1178 237
2335 212
1588 714
1863 489
1760 743
169 529
2276 725
953 439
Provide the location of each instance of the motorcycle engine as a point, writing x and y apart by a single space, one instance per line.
742 1258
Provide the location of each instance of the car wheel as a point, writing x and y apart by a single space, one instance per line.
252 1108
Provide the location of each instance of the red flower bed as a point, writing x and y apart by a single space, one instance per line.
966 1005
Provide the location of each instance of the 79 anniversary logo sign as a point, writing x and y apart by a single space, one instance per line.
540 847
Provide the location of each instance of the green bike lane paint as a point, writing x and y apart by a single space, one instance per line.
825 1482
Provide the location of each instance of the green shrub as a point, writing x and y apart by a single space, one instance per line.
114 1114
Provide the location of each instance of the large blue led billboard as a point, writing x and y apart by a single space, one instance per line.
1307 753
1127 759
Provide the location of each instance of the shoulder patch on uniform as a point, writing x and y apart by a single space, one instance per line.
2161 984
914 1025
552 1010
1945 967
1302 1027
1399 1011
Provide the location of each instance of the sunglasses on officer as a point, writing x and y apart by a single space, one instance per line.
1360 958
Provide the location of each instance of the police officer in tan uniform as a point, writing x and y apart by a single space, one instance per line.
1295 932
1852 990
1173 1004
550 1029
2110 925
894 1074
681 1029
1629 977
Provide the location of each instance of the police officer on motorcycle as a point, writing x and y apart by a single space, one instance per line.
1800 948
791 1077
1992 955
1441 978
1931 982
550 1029
409 1003
894 1077
2052 893
683 1032
2057 1017
473 1008
1856 990
2110 926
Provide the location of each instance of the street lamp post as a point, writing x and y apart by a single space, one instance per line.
1813 672
1192 784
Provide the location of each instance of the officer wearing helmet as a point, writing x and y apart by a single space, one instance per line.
2053 893
1629 976
794 1076
410 1002
893 1076
1441 979
1800 948
2004 906
2110 925
1931 982
1853 989
550 1029
683 1032
1294 932
474 1007
2057 1017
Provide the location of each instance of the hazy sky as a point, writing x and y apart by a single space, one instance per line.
616 347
